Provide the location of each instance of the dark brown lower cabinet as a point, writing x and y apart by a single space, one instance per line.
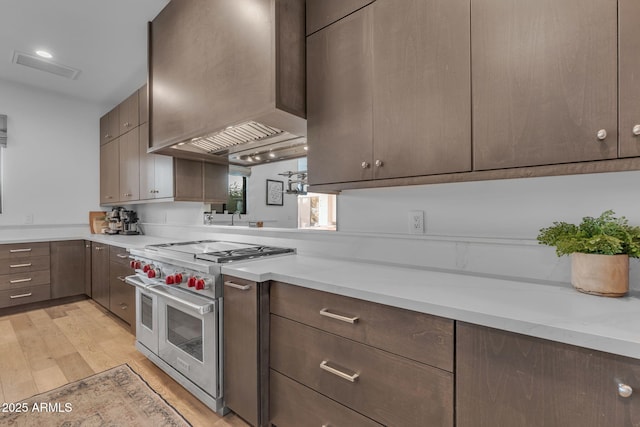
87 268
245 361
100 274
67 268
293 404
508 379
122 296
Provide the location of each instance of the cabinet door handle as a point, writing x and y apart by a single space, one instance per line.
379 163
20 265
122 256
121 278
324 365
236 286
20 280
364 165
636 130
602 134
13 251
124 306
624 390
99 248
325 312
20 296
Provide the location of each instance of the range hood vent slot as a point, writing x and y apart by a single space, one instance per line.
235 135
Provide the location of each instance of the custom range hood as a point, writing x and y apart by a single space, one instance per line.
227 80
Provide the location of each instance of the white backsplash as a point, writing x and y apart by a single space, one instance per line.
486 228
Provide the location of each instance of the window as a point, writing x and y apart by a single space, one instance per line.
237 201
317 211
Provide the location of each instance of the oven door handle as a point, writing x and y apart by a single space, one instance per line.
201 309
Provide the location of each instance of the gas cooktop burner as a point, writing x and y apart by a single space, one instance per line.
220 252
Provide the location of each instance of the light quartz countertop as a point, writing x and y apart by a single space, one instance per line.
546 310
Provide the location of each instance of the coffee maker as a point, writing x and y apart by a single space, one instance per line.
122 221
129 221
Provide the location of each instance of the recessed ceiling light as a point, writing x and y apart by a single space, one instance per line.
44 54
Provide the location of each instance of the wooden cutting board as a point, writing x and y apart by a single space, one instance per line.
96 221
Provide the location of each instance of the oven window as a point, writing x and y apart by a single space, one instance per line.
185 332
146 309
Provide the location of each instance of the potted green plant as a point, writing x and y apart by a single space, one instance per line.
600 249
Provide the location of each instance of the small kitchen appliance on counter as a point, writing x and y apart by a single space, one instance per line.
179 309
122 221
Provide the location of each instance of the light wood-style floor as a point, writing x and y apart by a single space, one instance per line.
46 348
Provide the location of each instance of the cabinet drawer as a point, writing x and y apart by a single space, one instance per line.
310 408
119 255
24 295
24 264
388 388
122 296
20 280
418 336
22 250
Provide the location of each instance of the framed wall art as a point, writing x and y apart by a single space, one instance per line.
275 190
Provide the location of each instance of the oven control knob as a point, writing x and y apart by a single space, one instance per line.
170 280
153 273
146 268
200 284
192 281
138 265
132 264
178 278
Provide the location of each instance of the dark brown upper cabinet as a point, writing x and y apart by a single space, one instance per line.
421 88
143 105
629 77
389 92
110 126
129 113
544 78
321 13
339 100
218 63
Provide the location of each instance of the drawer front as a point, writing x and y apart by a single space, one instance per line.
390 389
22 250
310 409
20 280
119 255
418 336
24 295
24 264
122 296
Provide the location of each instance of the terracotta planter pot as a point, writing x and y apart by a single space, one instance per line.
605 275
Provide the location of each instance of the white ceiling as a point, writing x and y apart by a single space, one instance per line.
105 39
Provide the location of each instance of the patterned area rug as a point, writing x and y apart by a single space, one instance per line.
117 397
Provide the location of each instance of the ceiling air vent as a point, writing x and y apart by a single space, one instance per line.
41 64
235 135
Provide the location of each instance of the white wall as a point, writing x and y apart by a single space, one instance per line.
51 163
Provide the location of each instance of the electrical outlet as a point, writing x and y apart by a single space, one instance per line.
416 222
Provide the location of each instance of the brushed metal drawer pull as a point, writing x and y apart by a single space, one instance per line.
122 256
353 377
325 312
20 280
20 296
13 251
236 286
20 265
124 306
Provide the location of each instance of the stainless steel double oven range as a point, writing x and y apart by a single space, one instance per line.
179 309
